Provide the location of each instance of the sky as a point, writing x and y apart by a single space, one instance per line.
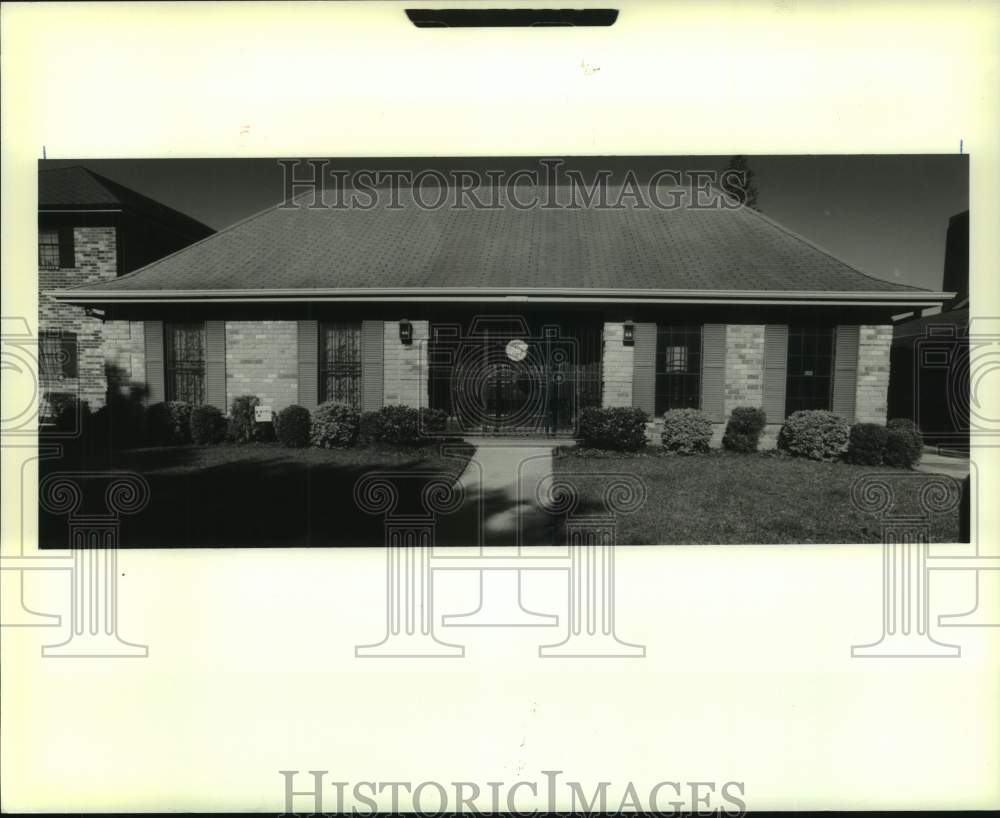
884 215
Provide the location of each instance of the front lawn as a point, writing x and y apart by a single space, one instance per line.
258 494
730 498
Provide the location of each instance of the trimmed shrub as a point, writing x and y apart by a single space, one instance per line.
903 445
620 428
369 427
208 425
433 422
169 423
241 416
291 425
65 411
333 424
403 425
814 433
686 431
120 423
743 429
866 444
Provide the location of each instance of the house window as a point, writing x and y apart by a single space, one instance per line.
56 248
678 367
57 355
48 248
184 359
810 368
340 363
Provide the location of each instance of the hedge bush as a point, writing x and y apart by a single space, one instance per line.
814 433
333 424
743 429
620 428
208 425
291 425
121 422
66 412
402 425
686 431
369 427
903 445
433 422
169 423
866 444
241 419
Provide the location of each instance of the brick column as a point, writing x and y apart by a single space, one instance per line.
744 366
872 391
262 360
405 365
617 367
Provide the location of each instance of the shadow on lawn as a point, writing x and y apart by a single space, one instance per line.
266 500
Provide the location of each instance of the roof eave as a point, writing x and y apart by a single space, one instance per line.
910 298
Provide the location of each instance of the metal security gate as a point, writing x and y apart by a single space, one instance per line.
507 375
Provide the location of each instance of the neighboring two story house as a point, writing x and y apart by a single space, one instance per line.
92 230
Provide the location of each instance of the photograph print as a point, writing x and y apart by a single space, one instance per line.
691 350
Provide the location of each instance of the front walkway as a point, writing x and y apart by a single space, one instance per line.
501 514
934 463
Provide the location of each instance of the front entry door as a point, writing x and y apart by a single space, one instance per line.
501 376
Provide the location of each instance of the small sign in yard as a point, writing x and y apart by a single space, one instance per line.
263 414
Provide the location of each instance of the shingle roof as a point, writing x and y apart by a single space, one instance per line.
81 188
630 249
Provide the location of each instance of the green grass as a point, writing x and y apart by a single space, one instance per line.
722 497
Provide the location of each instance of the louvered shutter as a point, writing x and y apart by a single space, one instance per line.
372 344
845 371
67 248
775 371
713 371
153 333
308 357
644 368
215 364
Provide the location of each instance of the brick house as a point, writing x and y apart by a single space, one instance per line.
91 230
512 319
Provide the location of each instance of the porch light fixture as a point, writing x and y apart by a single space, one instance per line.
628 339
405 333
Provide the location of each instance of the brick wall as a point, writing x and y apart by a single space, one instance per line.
124 354
405 378
96 260
262 360
744 366
872 391
616 367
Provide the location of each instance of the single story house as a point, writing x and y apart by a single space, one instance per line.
510 319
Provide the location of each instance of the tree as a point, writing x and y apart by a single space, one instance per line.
737 181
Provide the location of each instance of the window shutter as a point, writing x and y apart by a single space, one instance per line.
713 371
154 361
67 248
644 369
215 364
845 371
372 343
775 371
308 363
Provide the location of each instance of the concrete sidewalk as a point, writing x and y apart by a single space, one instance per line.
934 463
